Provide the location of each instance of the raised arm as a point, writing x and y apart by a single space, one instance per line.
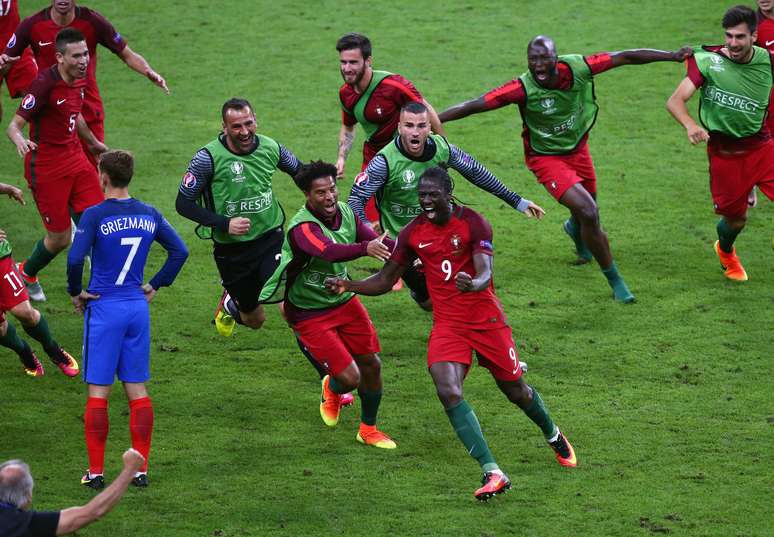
676 104
435 122
141 65
288 162
346 139
648 55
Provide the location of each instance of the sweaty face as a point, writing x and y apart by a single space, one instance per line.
352 65
74 59
739 42
323 196
63 7
239 127
541 61
414 130
435 202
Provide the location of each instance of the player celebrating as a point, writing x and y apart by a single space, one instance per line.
116 338
557 103
337 330
735 81
25 69
454 244
57 171
14 299
373 99
39 32
393 175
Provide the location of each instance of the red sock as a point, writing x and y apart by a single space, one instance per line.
141 426
96 427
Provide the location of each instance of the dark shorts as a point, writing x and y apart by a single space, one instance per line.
245 267
415 281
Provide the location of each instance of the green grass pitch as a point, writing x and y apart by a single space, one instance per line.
668 402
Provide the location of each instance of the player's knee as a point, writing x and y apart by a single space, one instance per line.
349 379
450 395
254 319
588 214
370 365
56 242
27 315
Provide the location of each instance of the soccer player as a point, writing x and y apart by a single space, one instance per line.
735 82
14 299
116 337
454 244
61 178
39 32
336 329
558 106
393 175
25 69
765 39
373 99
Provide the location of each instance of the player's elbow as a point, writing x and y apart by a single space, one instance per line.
75 518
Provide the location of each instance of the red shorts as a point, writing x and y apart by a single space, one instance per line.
12 289
557 173
56 190
494 348
334 337
21 75
732 177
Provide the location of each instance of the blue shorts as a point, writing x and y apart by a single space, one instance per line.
116 341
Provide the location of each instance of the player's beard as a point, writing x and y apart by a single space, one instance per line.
358 77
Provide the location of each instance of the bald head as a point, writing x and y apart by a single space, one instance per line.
541 61
542 41
15 483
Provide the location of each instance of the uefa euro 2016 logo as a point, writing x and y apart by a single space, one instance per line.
237 168
548 105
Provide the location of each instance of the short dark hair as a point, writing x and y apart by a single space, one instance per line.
414 107
353 41
316 169
118 165
739 14
235 103
67 36
439 175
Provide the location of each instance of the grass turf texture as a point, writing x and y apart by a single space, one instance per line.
667 402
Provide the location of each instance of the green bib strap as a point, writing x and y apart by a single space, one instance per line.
360 105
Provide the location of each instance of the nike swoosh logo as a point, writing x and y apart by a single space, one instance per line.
424 244
769 43
42 44
60 101
17 293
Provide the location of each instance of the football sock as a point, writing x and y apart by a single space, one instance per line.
369 402
335 386
96 426
537 412
39 258
466 425
726 236
12 340
41 333
611 273
305 351
141 427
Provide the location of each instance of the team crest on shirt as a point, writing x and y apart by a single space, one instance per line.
409 178
12 41
361 179
237 168
548 105
456 244
28 103
189 180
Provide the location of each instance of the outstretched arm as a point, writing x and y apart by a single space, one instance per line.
463 109
483 264
378 284
679 110
648 55
141 65
435 122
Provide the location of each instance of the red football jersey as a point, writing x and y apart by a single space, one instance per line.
445 251
765 32
383 108
9 19
39 31
51 107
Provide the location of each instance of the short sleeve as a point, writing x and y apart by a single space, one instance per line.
599 63
107 35
403 254
480 233
509 93
693 72
33 103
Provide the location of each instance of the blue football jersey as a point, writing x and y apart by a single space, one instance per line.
118 234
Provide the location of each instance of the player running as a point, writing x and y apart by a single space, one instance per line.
373 99
38 32
14 299
61 178
25 69
454 244
558 106
336 329
393 174
735 83
116 337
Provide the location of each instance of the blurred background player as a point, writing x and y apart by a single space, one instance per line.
735 82
392 176
373 99
39 32
336 329
557 103
15 300
62 180
24 70
119 233
455 246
